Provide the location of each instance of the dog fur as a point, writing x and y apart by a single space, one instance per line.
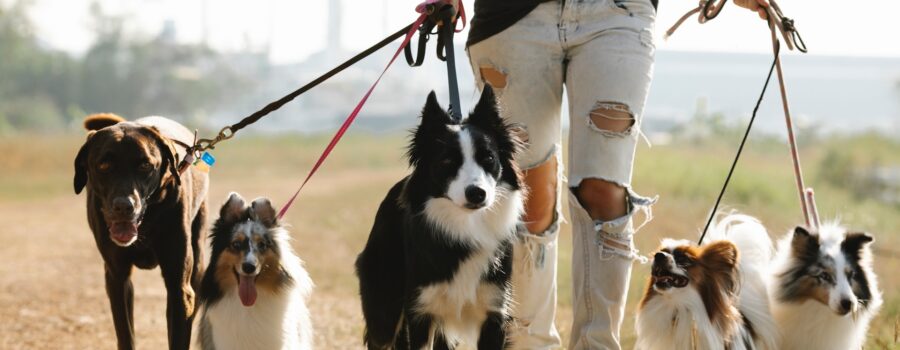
710 297
144 213
251 250
435 271
824 292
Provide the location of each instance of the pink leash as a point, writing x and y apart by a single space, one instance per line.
350 118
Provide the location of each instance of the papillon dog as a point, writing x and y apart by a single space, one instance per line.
713 296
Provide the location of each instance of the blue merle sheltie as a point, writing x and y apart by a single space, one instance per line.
435 272
254 293
824 290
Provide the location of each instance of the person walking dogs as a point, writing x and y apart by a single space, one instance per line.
602 51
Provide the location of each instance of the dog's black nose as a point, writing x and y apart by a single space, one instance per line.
122 206
659 258
248 268
475 194
845 305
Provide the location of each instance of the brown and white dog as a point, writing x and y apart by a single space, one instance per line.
144 213
713 296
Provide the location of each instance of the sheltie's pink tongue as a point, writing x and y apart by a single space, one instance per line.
247 290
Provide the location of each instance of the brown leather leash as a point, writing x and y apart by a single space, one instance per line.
778 23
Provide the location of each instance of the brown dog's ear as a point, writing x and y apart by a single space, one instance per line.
81 176
261 210
169 155
234 207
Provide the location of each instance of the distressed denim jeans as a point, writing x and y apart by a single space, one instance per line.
601 51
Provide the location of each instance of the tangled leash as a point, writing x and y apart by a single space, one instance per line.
777 23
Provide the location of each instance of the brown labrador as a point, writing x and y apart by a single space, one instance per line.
144 213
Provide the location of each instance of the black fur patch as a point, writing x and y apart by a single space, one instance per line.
852 248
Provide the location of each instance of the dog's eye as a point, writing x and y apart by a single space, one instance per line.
262 245
145 167
489 158
236 245
850 274
446 162
681 258
826 277
104 166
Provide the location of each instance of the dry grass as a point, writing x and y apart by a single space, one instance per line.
51 290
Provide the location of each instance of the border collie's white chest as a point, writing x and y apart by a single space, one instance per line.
462 303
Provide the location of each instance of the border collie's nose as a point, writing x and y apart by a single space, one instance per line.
248 268
845 305
659 258
122 206
475 194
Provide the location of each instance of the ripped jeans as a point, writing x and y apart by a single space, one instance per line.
602 52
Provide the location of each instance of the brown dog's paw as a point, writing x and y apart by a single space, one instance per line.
101 120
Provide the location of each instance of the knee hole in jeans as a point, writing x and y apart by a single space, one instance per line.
603 200
611 117
492 76
540 207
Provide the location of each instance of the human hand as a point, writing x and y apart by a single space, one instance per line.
758 6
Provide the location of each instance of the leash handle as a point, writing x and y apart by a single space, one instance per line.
350 118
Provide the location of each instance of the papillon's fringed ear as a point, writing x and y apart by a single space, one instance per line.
234 208
804 244
261 210
721 259
855 241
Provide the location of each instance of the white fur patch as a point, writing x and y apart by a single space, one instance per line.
470 174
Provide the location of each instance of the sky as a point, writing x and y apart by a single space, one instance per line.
294 29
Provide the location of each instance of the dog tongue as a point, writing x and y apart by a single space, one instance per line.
123 231
247 290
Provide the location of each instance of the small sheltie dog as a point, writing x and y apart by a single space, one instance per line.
254 293
435 272
824 292
710 297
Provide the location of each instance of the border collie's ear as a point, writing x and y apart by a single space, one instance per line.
261 210
486 114
856 241
433 114
81 176
805 245
234 207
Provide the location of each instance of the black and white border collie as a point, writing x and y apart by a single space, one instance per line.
824 291
435 272
710 297
254 293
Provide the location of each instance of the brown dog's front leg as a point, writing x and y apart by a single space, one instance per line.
121 300
177 268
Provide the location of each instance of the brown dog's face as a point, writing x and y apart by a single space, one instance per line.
123 166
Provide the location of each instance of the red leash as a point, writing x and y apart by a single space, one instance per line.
350 118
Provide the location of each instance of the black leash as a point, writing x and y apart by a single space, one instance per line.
229 131
445 50
737 156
